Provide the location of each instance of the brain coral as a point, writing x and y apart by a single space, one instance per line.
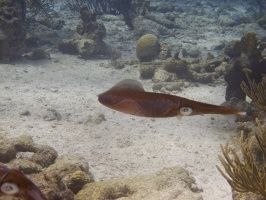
147 47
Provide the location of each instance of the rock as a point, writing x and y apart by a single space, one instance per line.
157 86
67 164
263 53
176 55
247 127
230 49
44 155
171 16
147 69
12 29
76 181
262 21
26 166
234 76
52 186
226 21
170 86
248 45
23 143
246 196
195 188
119 63
170 65
165 7
218 46
160 75
95 119
2 134
169 183
88 40
86 47
51 115
68 46
66 171
220 70
25 112
93 29
210 56
7 151
148 26
147 47
201 77
174 86
190 52
107 17
37 54
251 58
210 65
165 51
179 67
161 20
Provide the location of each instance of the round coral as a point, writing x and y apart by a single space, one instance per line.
147 47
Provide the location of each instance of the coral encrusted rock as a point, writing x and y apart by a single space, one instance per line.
59 178
168 183
88 41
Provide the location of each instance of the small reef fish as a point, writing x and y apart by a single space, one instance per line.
15 183
128 96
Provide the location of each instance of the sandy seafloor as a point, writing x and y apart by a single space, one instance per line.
123 145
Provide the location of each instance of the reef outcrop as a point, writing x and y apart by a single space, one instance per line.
247 53
12 29
57 177
88 41
168 183
68 177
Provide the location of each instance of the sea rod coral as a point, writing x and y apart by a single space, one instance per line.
246 174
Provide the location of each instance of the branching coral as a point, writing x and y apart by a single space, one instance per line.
40 7
122 7
245 175
42 11
257 92
100 6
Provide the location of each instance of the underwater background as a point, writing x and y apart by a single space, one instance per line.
57 56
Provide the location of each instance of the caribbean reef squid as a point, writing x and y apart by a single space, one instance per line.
15 183
128 96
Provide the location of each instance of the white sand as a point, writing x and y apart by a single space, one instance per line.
123 145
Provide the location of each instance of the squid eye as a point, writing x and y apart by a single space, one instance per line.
9 188
185 111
